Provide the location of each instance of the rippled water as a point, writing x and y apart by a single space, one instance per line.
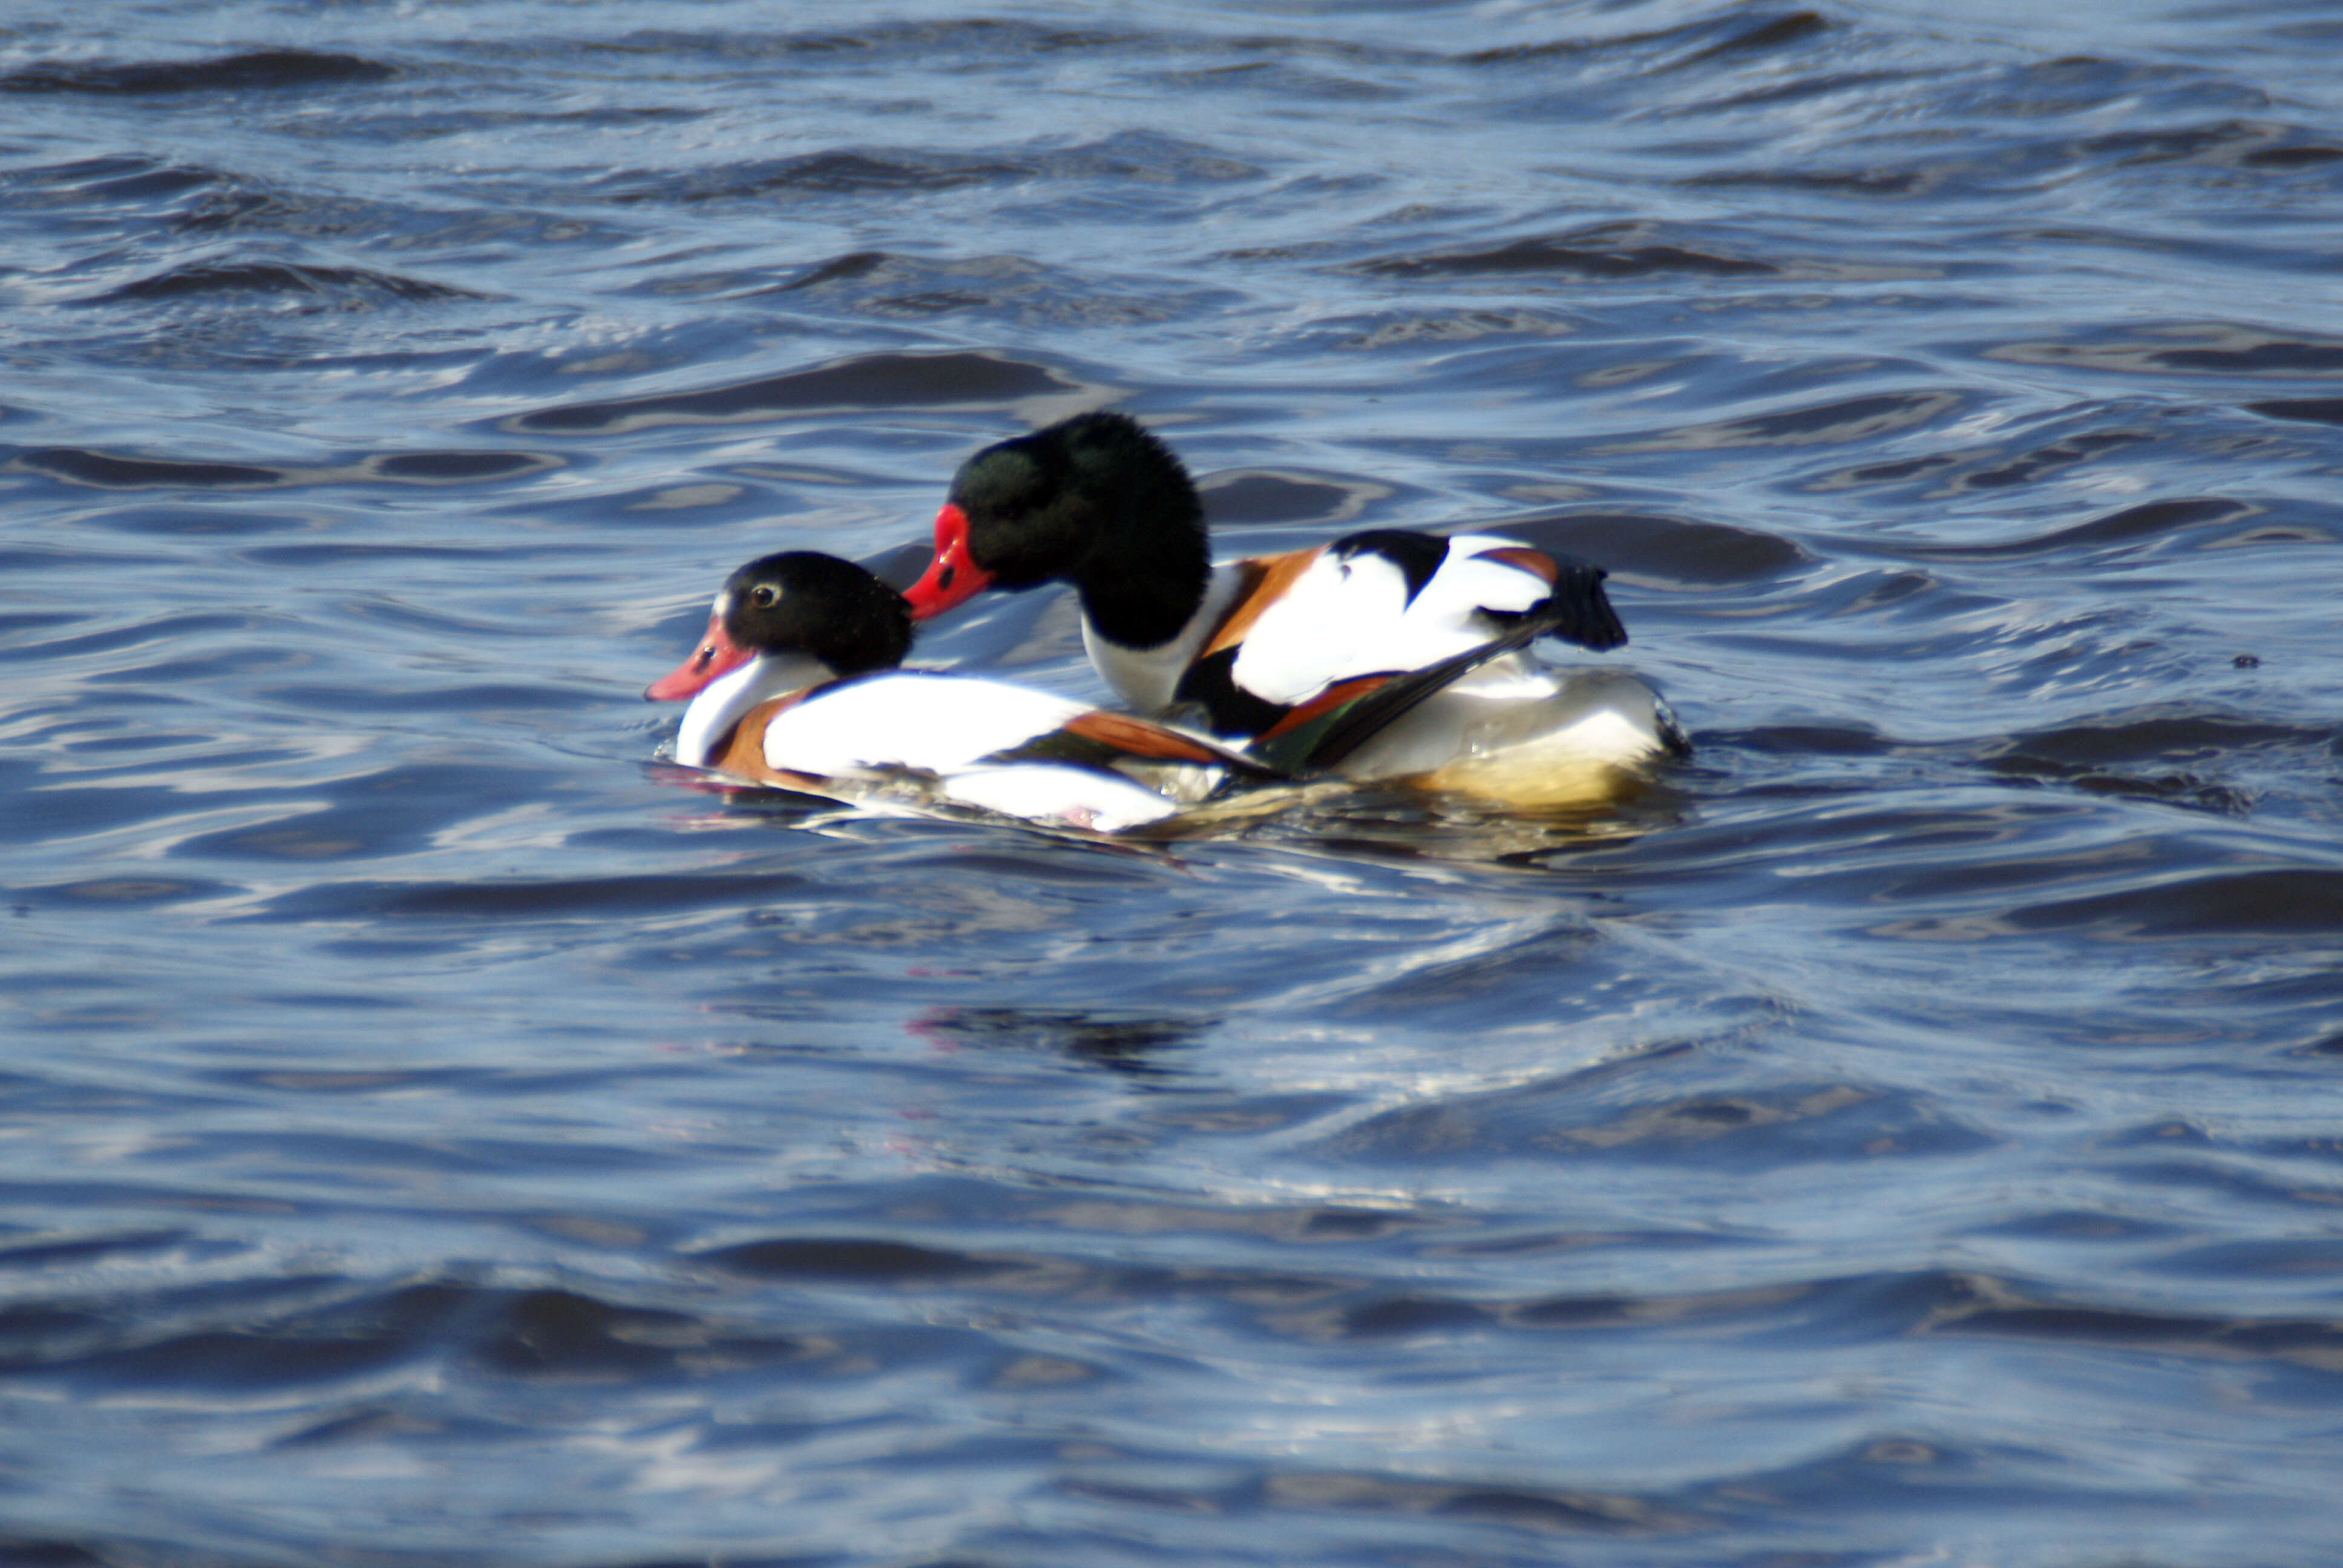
1906 1134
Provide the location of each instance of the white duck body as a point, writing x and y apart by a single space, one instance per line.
767 707
1299 622
1516 729
1347 616
956 728
1523 733
951 740
1252 650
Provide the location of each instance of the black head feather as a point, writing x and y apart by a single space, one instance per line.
1096 501
800 601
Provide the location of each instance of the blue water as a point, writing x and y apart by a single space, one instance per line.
1907 1134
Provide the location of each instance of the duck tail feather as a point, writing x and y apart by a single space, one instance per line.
1578 610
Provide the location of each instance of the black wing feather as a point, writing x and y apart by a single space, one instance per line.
1315 747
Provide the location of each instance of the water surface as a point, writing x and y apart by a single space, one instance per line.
1907 1134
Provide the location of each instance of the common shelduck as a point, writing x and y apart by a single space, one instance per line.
1255 650
795 685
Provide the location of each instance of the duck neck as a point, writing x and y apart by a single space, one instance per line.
713 713
1143 581
1147 677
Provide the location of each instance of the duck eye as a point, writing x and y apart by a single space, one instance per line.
763 596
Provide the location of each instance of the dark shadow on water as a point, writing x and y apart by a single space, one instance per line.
266 69
1682 554
922 380
1130 1045
1613 250
344 287
113 471
1266 495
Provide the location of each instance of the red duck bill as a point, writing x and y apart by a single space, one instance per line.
716 656
953 578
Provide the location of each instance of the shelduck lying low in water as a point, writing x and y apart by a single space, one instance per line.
795 686
1253 650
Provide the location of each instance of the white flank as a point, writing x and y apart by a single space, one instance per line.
1077 797
1335 614
1467 583
930 721
1346 618
945 726
1337 619
1495 731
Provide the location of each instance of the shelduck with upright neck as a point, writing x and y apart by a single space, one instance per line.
1258 651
